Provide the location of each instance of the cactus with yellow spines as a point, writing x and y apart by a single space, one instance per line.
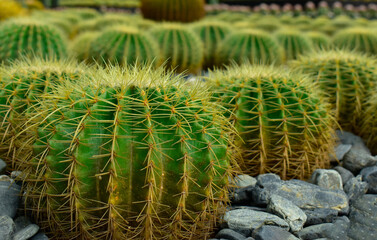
346 78
22 84
173 10
252 46
368 129
30 37
211 34
284 121
319 40
124 46
357 39
294 43
180 48
133 153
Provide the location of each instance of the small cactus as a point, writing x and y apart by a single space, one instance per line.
130 154
345 77
29 37
294 43
284 122
180 48
357 39
252 46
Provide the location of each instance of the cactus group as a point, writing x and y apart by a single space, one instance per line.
131 154
357 39
180 48
173 10
294 43
124 46
284 122
346 78
252 46
32 38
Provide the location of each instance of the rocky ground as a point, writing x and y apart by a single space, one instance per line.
338 203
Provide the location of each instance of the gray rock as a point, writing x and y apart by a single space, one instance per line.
26 233
230 234
285 209
370 176
267 178
245 181
18 176
363 217
9 196
341 150
3 166
336 230
39 236
320 215
272 233
345 174
304 195
245 221
355 188
327 178
7 227
350 138
242 195
21 222
248 207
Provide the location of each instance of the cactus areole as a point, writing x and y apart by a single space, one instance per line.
130 155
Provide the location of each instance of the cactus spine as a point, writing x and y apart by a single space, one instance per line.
357 39
135 154
282 118
173 10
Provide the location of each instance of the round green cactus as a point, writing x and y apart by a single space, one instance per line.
294 43
130 154
357 39
180 48
252 46
345 77
124 46
29 37
80 46
211 34
368 128
173 10
319 40
282 118
22 84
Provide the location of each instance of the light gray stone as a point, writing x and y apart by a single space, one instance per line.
363 217
230 234
245 181
341 150
336 230
370 176
7 227
267 178
285 209
320 215
345 174
303 194
26 233
327 178
245 221
355 188
9 196
272 233
350 138
39 236
3 166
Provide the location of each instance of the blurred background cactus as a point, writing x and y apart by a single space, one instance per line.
357 39
294 43
10 8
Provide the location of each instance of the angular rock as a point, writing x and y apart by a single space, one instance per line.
26 233
245 181
341 150
320 215
355 188
267 178
285 209
245 221
345 174
242 195
370 176
248 207
3 166
9 196
230 234
350 138
363 217
327 178
272 233
39 236
304 195
7 227
336 230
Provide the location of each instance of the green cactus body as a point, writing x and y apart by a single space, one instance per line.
180 48
22 85
173 10
123 46
294 43
211 34
369 124
319 40
281 117
345 77
28 37
133 154
252 46
357 39
80 46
